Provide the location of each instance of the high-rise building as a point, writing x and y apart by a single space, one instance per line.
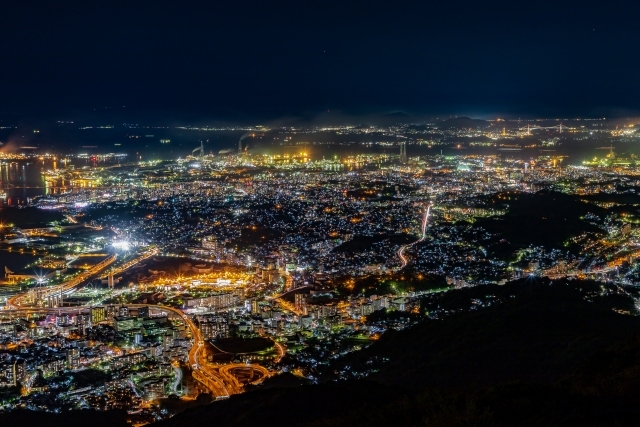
73 358
98 314
83 321
403 152
110 312
63 319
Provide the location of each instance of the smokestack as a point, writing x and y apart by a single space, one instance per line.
240 147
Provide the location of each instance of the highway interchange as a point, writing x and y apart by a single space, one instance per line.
221 380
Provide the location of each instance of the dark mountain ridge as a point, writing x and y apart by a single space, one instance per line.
545 355
536 353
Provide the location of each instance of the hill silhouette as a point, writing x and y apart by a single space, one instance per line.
115 418
536 353
545 218
537 334
544 355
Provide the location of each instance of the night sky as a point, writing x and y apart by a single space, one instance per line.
278 58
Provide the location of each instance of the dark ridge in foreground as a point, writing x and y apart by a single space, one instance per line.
85 418
539 333
544 354
542 357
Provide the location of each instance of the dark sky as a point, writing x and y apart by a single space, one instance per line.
273 58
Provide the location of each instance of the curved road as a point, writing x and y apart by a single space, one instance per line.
203 373
403 259
226 371
218 380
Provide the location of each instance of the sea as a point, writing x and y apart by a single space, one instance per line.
20 180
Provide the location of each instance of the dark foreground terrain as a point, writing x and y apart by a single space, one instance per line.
541 355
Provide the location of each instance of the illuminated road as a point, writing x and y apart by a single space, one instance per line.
296 290
221 386
64 288
70 286
201 372
290 307
133 262
218 379
281 350
403 259
228 373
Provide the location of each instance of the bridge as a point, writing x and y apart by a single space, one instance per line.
529 128
56 293
221 381
131 263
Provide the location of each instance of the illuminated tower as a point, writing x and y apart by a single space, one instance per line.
403 152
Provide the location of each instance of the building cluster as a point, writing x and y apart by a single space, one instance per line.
315 258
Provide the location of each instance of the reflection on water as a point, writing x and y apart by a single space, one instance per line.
20 180
24 179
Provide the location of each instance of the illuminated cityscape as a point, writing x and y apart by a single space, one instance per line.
315 214
143 281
